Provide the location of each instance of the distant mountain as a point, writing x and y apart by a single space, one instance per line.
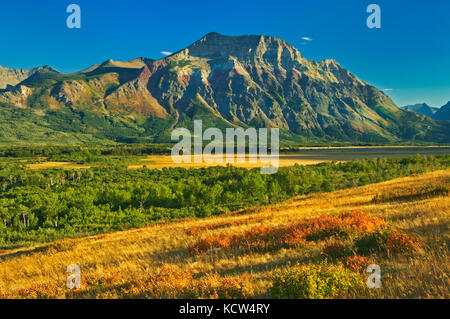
13 76
258 81
443 114
421 108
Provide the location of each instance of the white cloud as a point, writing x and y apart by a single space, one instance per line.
306 38
387 89
166 53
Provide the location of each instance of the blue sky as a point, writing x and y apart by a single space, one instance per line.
409 56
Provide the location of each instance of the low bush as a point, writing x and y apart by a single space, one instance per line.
318 228
314 281
336 250
357 262
387 241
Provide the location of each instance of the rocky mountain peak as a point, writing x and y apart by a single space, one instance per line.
47 68
246 49
330 63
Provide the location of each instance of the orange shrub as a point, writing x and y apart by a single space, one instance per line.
400 242
211 242
356 262
387 241
318 228
361 221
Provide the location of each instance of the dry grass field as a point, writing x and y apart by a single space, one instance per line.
52 164
402 225
160 161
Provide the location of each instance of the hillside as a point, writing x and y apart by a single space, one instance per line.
242 254
258 81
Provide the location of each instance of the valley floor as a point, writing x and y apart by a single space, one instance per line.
302 156
230 255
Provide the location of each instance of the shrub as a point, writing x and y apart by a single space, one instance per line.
211 242
387 241
314 281
336 250
318 228
357 263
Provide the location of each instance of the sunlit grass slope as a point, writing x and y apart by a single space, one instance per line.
315 246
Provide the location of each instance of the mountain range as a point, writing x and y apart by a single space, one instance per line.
256 80
441 114
11 77
421 108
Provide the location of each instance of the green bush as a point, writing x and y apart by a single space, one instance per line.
314 281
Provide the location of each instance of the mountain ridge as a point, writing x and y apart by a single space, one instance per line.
443 114
421 108
437 113
12 77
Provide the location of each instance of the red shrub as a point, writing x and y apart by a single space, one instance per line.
318 228
357 263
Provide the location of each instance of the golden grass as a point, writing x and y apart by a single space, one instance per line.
160 161
123 263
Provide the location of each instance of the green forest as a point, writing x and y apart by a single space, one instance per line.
44 205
